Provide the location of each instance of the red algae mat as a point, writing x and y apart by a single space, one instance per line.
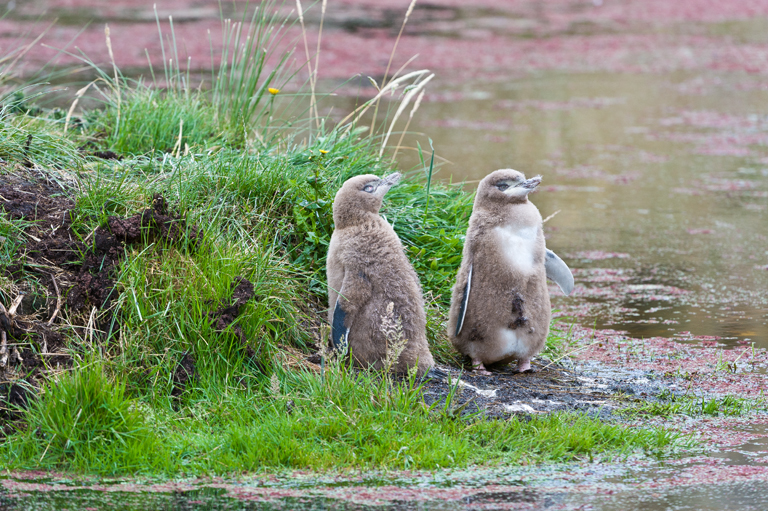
448 35
696 483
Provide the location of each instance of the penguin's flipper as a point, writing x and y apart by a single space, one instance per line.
558 272
465 301
339 332
354 294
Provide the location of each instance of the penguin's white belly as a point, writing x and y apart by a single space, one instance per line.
517 245
511 342
508 343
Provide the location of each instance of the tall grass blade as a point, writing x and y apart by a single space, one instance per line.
429 175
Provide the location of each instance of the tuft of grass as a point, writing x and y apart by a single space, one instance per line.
11 239
168 301
149 120
35 142
670 405
434 241
86 422
244 88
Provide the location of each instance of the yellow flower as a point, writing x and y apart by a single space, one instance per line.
273 91
323 151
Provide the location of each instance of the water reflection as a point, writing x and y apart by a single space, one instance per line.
742 496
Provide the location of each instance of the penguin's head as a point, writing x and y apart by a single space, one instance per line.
506 186
360 195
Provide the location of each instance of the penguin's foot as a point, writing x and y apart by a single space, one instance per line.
479 368
524 365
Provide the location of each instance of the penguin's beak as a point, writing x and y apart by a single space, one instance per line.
387 182
531 184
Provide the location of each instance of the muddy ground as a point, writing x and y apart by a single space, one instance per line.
594 390
61 282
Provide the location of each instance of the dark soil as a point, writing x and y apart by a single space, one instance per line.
59 271
594 389
226 314
185 371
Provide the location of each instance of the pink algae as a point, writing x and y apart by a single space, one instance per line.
624 37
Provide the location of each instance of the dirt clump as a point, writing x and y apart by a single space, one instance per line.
58 271
225 314
184 372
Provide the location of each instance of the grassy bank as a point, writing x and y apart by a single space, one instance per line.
192 359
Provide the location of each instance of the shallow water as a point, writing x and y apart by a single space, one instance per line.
662 193
604 487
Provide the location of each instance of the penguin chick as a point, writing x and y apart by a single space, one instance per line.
371 283
500 307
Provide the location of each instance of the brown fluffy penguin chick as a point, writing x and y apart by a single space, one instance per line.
500 307
367 271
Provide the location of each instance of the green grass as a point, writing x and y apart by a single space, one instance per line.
35 141
86 422
260 190
150 120
296 419
671 405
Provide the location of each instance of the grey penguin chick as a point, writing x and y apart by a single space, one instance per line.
368 272
500 307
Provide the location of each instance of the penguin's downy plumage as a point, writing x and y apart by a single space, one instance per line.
367 271
500 307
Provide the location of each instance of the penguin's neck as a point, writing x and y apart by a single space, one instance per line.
515 215
358 219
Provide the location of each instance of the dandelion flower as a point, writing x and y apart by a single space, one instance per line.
323 151
273 91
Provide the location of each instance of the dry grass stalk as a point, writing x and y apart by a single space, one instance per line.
274 386
14 306
8 315
550 217
114 67
295 358
78 95
312 99
397 41
177 146
58 300
22 51
90 327
404 103
416 105
3 349
392 55
390 87
317 53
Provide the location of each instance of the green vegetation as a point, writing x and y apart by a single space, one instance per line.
296 419
87 421
256 196
670 405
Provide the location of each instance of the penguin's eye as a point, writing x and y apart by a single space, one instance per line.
502 186
368 188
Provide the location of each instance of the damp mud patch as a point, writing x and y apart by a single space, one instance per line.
594 389
55 271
